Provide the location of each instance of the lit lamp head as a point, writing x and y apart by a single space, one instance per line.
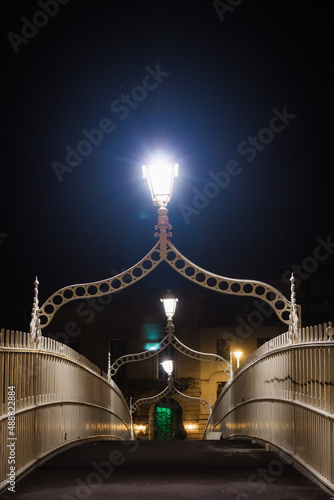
169 302
160 176
168 367
237 354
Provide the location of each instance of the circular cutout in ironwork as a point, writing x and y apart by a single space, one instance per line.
211 282
43 319
104 288
235 287
260 290
127 278
80 291
49 309
147 264
271 296
92 290
190 271
200 277
247 288
116 283
286 315
171 256
68 294
137 272
57 299
155 256
223 285
279 304
179 264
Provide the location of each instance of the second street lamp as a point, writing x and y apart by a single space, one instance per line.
169 301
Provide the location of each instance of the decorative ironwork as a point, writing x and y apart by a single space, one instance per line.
165 250
35 327
330 331
169 339
140 356
230 286
294 326
170 389
99 288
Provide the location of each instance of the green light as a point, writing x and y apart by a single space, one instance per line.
151 346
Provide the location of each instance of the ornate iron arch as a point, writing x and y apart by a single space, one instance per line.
285 310
169 339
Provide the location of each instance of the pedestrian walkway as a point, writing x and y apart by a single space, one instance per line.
181 470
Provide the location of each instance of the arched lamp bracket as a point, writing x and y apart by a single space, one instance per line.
229 286
170 389
165 250
169 339
99 288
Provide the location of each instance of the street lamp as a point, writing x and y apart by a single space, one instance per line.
169 301
167 365
237 354
160 178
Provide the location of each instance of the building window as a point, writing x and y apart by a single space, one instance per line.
224 348
220 386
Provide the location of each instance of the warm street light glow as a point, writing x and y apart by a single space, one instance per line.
190 426
140 428
168 366
169 302
160 177
237 354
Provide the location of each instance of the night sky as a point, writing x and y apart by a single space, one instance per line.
241 87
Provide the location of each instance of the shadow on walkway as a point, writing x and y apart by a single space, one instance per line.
182 470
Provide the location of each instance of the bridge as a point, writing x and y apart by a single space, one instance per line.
52 398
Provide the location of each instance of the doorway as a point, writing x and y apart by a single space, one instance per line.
167 420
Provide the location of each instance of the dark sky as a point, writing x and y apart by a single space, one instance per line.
225 74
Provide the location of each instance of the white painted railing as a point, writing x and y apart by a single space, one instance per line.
50 397
283 394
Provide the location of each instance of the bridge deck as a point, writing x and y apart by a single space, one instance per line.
182 470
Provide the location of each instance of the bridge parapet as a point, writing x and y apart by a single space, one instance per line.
283 394
60 398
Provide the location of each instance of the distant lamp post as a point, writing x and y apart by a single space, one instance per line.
160 176
168 367
237 354
169 301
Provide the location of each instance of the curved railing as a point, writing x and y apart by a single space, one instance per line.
283 394
51 397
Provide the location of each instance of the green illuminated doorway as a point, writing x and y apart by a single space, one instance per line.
168 420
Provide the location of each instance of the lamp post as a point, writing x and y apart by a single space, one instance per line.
169 301
167 365
237 354
160 178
